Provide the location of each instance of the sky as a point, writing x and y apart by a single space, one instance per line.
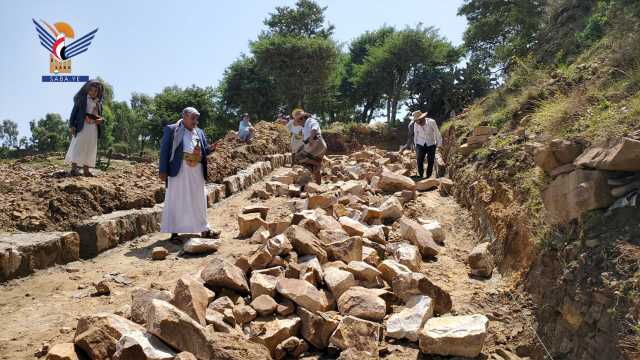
144 46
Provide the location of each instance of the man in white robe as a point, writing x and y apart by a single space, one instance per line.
183 167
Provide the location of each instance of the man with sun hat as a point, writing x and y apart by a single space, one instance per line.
426 138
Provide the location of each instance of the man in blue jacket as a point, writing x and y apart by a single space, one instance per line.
183 167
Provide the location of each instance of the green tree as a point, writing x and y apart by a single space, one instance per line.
9 133
501 29
142 111
245 87
50 133
301 68
306 19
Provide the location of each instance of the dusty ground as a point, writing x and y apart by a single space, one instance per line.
45 306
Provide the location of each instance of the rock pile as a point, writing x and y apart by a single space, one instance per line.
600 176
338 275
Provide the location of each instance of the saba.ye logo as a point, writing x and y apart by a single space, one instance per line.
55 39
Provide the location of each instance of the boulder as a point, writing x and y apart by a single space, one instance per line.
338 281
544 158
351 226
368 275
322 201
419 236
407 323
329 236
305 243
391 209
262 284
390 182
310 269
279 245
370 256
353 187
375 233
192 297
264 305
98 334
346 250
484 130
454 335
159 253
353 332
481 260
219 273
434 227
302 293
427 184
285 307
177 329
140 300
406 285
220 304
362 303
391 268
271 331
569 195
63 351
216 319
620 154
260 259
317 327
244 314
249 223
326 222
201 246
407 255
142 346
260 209
446 187
565 151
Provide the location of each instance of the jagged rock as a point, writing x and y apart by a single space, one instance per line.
277 271
63 351
346 250
375 233
264 305
201 245
302 293
353 187
544 158
405 285
221 273
243 263
98 334
390 182
409 321
102 288
262 284
220 304
446 187
454 335
407 255
370 256
279 245
329 236
391 268
419 236
565 151
271 331
244 314
362 303
285 307
360 334
142 346
338 281
618 154
323 201
216 319
481 260
317 327
192 297
310 270
569 195
159 253
305 243
391 209
177 329
434 227
260 209
250 223
371 214
313 188
260 259
140 300
352 227
326 222
484 130
365 273
427 184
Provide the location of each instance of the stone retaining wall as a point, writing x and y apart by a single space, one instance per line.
22 253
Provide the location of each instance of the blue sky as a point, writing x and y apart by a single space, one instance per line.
143 46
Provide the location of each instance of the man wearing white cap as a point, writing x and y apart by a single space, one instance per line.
426 138
183 167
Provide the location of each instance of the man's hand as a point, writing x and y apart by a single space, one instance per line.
99 120
72 131
163 177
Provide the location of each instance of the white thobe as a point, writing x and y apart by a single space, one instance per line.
185 202
83 148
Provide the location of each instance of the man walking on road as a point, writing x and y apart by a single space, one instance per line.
427 139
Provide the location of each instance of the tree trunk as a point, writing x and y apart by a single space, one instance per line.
388 110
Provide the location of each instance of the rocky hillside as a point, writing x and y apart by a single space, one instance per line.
549 165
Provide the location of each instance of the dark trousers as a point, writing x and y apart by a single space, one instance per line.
430 153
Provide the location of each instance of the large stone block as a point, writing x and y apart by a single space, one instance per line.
454 335
621 154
